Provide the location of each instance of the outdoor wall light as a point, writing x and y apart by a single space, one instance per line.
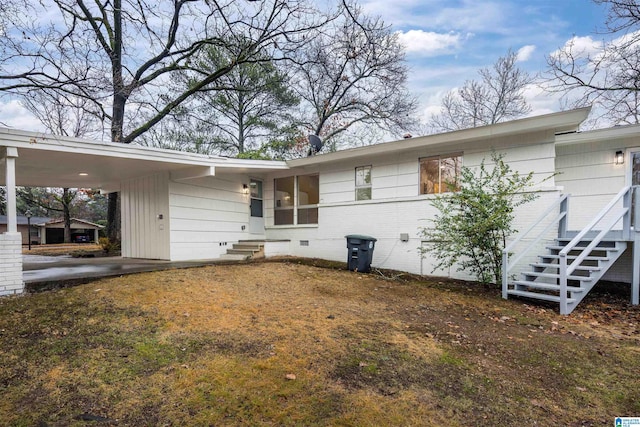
619 159
245 189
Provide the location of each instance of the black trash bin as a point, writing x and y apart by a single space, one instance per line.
360 252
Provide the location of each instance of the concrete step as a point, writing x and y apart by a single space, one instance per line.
242 251
234 257
247 245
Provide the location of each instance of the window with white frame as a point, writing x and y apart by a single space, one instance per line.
440 174
296 200
363 183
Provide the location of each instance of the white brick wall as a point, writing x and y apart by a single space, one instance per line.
396 208
11 264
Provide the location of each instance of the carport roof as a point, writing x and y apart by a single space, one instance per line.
54 161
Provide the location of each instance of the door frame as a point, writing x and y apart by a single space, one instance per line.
256 224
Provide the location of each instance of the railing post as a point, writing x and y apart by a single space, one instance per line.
505 273
564 308
635 277
562 225
635 208
626 219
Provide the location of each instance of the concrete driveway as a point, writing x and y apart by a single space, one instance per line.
38 269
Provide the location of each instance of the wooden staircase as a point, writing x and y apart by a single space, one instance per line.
244 250
574 263
542 281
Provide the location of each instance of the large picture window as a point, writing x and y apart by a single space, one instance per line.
363 183
296 200
440 174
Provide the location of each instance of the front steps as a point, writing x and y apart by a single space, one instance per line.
245 250
542 280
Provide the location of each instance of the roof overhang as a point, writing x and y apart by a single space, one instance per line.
54 161
566 121
616 132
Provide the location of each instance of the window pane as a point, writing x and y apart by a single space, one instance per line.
256 208
363 193
283 217
449 172
363 176
440 174
256 189
308 190
429 176
284 192
308 216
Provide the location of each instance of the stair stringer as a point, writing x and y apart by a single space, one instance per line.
545 275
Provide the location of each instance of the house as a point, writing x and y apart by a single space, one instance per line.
23 227
46 230
182 206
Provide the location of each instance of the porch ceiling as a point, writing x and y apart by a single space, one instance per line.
52 161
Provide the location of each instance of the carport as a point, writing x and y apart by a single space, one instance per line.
41 160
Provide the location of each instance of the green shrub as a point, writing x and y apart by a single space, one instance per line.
108 246
475 220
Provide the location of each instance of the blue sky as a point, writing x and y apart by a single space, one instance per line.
448 41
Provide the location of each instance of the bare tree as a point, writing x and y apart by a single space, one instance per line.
119 54
355 74
60 118
63 115
605 73
496 97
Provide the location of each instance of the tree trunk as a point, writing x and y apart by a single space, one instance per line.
117 122
66 212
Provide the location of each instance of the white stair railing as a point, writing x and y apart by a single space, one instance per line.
624 214
560 220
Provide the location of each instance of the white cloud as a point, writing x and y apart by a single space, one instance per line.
428 43
465 16
525 52
14 115
581 46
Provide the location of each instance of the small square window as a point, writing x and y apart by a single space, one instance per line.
363 183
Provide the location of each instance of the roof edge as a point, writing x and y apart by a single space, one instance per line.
563 121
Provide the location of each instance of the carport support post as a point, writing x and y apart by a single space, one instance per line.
10 154
11 241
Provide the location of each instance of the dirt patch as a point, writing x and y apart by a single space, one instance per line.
295 344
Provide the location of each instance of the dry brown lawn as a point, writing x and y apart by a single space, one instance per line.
289 344
62 249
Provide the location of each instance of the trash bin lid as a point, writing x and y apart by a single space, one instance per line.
361 237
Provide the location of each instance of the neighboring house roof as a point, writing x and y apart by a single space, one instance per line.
76 220
44 221
22 220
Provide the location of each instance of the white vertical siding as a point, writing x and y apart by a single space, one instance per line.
144 234
207 216
588 174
